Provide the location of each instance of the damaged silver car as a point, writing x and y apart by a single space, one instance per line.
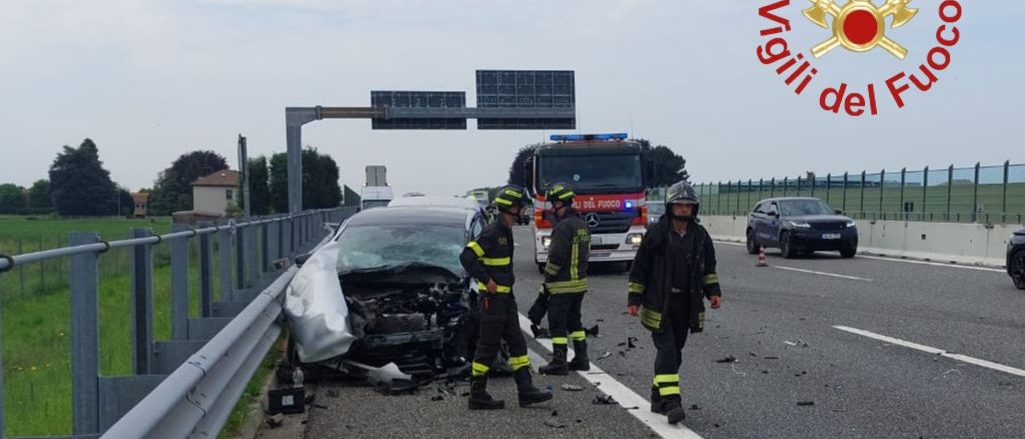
388 288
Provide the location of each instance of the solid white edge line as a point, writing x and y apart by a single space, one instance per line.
935 351
608 385
935 264
822 273
907 261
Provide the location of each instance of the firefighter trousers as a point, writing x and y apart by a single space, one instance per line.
669 347
499 321
564 318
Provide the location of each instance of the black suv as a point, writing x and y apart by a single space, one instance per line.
799 225
1016 258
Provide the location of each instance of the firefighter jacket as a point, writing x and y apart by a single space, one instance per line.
566 269
490 257
651 279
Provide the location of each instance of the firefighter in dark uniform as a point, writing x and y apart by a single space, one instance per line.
489 260
673 272
566 282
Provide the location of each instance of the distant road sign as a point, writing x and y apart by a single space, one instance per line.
526 89
419 99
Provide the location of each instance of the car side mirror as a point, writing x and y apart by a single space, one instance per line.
838 212
301 259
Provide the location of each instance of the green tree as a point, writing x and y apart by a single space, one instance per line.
669 167
40 196
126 202
319 179
279 182
80 184
517 173
173 188
259 186
12 199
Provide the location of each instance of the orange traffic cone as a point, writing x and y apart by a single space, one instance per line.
761 258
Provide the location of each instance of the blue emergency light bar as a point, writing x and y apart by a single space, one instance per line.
574 137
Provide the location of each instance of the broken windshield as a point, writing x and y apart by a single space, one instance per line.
381 246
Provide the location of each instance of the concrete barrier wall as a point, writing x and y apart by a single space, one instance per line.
974 244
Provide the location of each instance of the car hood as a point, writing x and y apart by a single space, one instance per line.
315 306
817 218
1020 232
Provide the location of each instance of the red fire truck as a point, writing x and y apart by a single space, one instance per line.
609 174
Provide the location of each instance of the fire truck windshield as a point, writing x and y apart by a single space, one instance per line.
618 173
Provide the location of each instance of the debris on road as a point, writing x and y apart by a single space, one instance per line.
604 400
728 359
771 357
695 407
332 393
805 403
276 420
593 331
607 354
572 387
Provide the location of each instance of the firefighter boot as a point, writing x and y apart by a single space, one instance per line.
558 365
479 397
656 401
580 361
528 394
673 407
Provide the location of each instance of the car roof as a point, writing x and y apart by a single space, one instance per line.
790 199
434 201
424 215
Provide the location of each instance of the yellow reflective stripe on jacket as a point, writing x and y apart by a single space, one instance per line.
501 288
710 279
567 286
634 287
651 317
578 335
667 391
552 269
574 261
560 340
477 250
496 262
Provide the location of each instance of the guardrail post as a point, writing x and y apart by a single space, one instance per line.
975 195
206 268
224 251
142 304
903 175
1003 206
2 393
179 285
85 337
240 259
252 272
882 190
950 185
862 208
265 260
844 203
925 184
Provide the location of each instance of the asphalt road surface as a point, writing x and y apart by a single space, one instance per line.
818 347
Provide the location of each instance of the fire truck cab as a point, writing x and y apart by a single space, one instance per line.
609 174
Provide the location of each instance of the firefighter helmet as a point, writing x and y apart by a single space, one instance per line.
682 193
511 197
561 192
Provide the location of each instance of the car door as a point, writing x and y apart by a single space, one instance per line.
770 227
756 217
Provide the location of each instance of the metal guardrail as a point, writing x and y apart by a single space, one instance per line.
188 385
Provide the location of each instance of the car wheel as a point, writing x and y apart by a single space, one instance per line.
1018 269
752 244
848 251
786 246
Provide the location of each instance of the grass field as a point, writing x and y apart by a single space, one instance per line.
37 322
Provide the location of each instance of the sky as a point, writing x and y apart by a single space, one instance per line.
149 81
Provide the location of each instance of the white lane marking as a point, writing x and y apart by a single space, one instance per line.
621 393
822 273
908 261
936 264
935 351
